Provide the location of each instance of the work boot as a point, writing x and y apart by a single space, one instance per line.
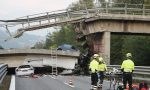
91 88
95 88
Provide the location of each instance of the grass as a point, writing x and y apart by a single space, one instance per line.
6 82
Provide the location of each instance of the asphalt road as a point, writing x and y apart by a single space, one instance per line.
55 83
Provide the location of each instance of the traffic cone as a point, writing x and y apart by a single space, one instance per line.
71 80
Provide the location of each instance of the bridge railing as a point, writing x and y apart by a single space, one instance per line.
65 14
3 71
140 72
104 8
55 18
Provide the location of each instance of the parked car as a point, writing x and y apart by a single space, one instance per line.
24 70
67 47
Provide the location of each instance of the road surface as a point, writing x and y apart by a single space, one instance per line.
48 82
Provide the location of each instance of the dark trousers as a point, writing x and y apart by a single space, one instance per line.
101 77
94 79
127 78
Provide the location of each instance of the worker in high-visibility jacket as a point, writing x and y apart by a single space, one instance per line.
93 69
127 67
101 70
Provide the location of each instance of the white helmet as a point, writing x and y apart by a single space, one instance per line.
100 59
128 55
95 55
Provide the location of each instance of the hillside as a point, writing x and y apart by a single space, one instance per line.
25 41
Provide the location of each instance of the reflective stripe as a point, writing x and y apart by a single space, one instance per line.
127 70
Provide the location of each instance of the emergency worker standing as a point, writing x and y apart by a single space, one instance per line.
94 68
127 67
101 69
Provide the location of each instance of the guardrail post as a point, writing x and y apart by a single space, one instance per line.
55 17
143 13
28 21
48 17
40 23
87 12
107 8
68 13
126 8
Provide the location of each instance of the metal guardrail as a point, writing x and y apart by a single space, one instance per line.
140 72
3 71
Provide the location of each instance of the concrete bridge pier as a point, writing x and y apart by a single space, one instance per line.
106 43
101 45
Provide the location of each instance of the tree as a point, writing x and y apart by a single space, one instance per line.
82 4
66 34
139 46
48 41
117 42
38 45
129 1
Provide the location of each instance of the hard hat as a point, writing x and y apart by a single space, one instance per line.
100 59
128 55
95 55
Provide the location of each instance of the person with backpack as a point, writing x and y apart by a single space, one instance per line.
127 68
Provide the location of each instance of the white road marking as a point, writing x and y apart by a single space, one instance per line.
12 84
69 85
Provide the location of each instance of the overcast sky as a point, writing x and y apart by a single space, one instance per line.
11 9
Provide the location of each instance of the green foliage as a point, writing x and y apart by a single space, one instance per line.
53 46
147 2
116 48
81 4
129 1
137 45
66 35
48 41
38 45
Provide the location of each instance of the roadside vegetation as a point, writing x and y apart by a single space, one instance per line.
6 83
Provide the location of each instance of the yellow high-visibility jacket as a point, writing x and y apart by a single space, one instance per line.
102 67
127 65
93 66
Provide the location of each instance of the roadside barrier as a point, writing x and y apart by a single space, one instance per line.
141 73
3 71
